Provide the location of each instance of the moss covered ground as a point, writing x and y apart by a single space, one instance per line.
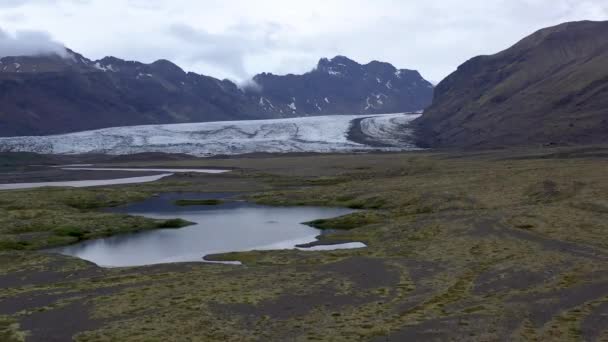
499 245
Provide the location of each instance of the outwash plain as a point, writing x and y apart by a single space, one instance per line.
496 245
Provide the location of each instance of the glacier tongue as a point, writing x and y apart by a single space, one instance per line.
309 134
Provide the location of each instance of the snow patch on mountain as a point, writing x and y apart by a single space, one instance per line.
368 105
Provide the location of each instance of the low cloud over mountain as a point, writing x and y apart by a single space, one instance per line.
29 43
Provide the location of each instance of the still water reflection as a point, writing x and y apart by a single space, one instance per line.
231 226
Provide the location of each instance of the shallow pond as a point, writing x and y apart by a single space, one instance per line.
227 227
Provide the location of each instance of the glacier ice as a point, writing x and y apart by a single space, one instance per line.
305 134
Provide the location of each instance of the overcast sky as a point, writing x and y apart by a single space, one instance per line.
239 38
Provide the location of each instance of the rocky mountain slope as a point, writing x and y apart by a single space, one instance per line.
549 88
49 95
341 85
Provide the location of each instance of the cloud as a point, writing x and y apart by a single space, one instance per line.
239 38
29 43
227 50
21 3
14 17
250 85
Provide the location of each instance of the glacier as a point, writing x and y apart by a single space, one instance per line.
324 134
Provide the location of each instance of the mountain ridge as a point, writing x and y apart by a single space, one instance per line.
41 95
372 88
549 88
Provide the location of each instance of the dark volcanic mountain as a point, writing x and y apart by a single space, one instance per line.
45 95
550 88
49 94
341 85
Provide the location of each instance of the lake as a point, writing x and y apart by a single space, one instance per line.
227 227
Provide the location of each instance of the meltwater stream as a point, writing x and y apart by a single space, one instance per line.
106 182
230 226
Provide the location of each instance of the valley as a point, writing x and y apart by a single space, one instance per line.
327 200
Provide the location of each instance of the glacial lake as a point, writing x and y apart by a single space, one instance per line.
228 227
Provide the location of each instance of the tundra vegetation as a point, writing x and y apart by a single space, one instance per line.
507 245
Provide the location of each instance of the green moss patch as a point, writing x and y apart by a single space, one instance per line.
347 222
174 223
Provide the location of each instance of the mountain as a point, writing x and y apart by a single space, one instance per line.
549 88
42 95
341 85
50 94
